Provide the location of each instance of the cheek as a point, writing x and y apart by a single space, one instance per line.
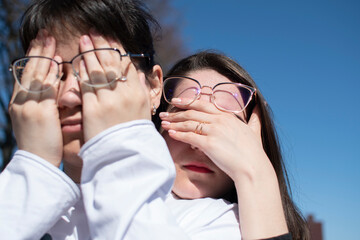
142 78
71 149
145 85
176 148
60 90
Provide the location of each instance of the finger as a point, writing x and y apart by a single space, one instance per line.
95 71
33 70
128 71
182 116
255 121
37 69
124 60
83 74
190 138
29 71
130 77
48 50
47 69
52 80
187 126
109 60
35 47
199 105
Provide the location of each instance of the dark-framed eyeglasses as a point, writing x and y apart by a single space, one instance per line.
21 66
226 96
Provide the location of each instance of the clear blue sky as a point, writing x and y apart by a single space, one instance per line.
305 57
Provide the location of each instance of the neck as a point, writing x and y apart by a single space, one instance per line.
73 170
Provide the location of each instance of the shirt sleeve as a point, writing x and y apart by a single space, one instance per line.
126 176
33 196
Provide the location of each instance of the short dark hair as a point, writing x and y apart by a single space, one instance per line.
127 21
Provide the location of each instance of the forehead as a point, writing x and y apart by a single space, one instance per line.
67 48
208 77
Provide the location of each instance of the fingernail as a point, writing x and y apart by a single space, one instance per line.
85 39
165 123
163 114
176 100
171 131
48 41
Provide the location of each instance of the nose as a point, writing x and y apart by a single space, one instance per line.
69 93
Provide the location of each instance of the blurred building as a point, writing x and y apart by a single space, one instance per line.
315 228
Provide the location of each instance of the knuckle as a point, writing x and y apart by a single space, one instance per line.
28 113
187 125
111 75
38 76
107 62
187 114
107 107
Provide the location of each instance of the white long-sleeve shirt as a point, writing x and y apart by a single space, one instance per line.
125 193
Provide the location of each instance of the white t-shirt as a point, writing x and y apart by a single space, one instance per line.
125 193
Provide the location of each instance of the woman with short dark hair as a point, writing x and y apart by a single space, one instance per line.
83 96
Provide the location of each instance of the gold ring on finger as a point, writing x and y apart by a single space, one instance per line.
199 128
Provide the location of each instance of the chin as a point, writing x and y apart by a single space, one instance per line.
187 195
70 152
189 190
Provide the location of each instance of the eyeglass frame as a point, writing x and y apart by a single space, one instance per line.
251 89
127 54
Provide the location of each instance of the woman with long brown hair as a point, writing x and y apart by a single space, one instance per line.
221 136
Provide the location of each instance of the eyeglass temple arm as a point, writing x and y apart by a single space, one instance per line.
135 55
150 57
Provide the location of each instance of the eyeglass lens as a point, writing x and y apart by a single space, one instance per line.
36 74
26 70
226 96
96 78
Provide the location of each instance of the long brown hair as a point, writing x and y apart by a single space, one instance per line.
234 72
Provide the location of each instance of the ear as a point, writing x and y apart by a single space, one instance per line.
156 86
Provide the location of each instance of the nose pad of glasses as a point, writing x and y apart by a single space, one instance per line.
208 93
212 99
194 148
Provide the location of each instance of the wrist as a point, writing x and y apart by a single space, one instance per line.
257 169
54 159
260 206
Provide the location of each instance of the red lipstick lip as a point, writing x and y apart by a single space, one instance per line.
198 167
